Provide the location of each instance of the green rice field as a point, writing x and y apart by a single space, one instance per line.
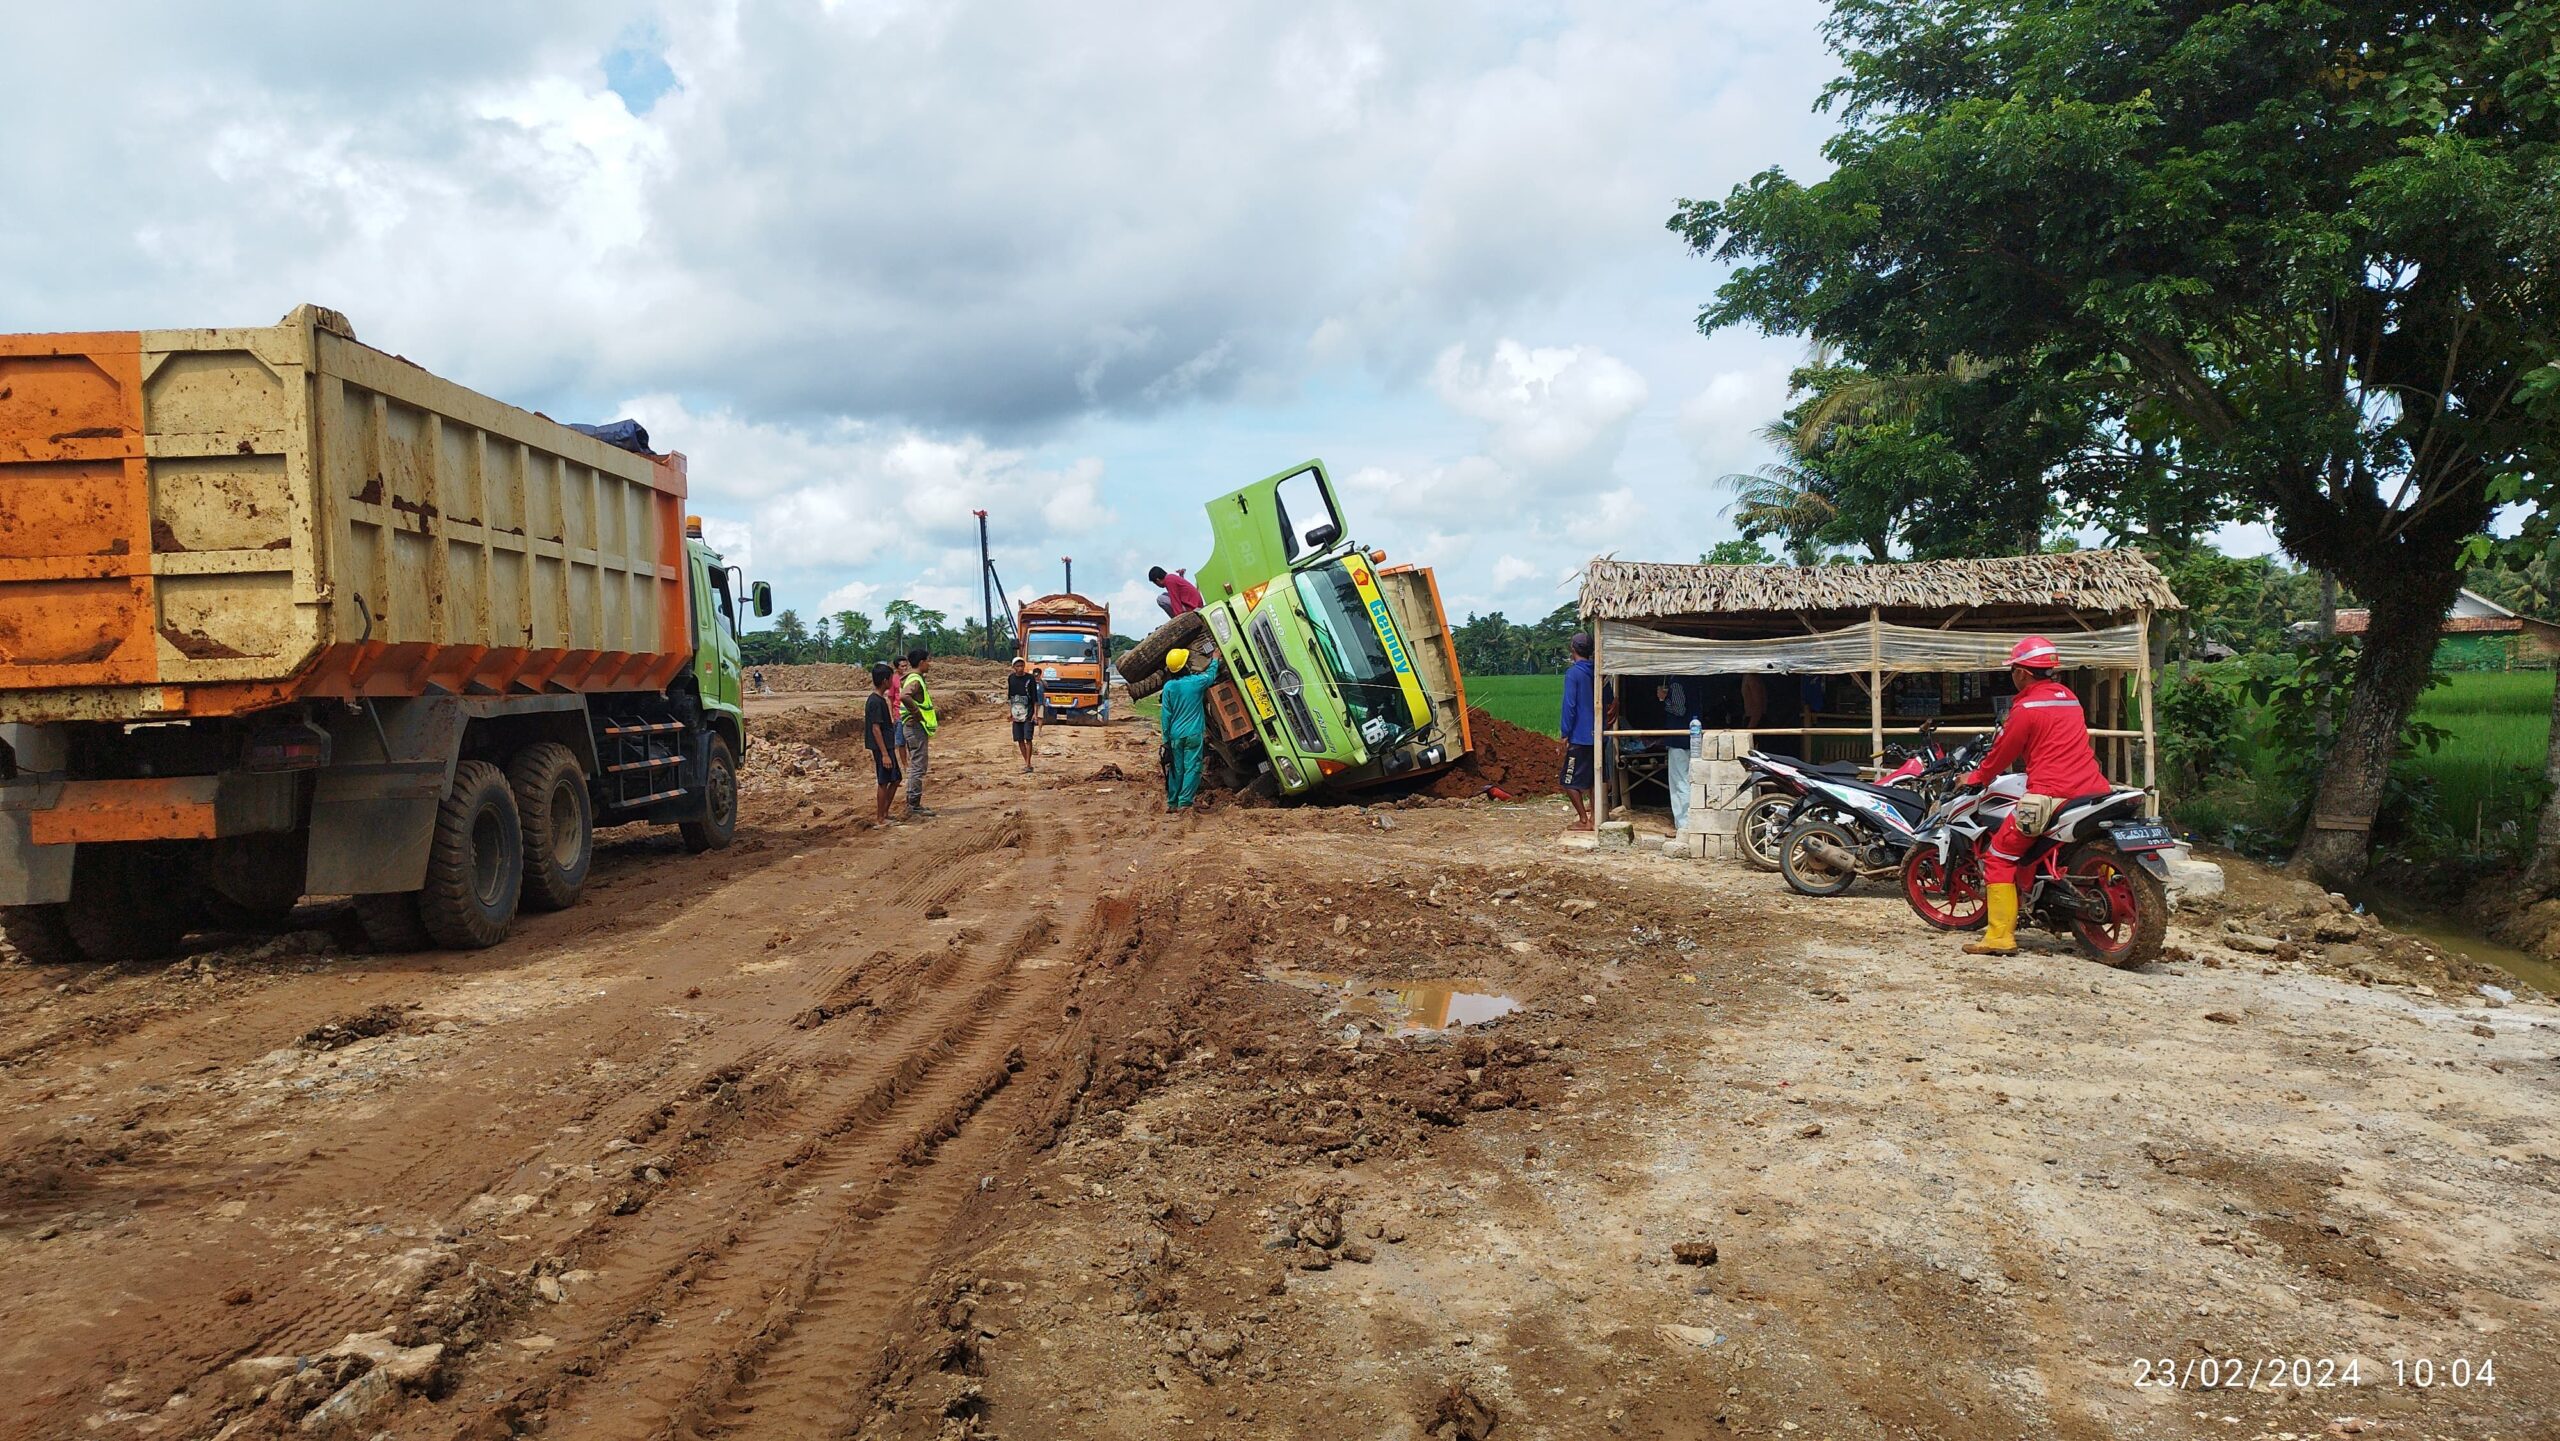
2501 726
1527 701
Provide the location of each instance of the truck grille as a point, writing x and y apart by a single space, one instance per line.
1286 686
1069 687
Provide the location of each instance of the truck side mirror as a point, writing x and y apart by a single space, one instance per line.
762 596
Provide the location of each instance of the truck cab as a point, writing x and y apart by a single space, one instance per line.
1065 638
1343 664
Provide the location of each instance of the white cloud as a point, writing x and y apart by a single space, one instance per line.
846 492
876 265
1555 410
1722 422
858 596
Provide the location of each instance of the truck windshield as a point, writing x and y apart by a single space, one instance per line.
1353 653
1062 645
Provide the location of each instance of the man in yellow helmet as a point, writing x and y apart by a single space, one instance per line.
1185 702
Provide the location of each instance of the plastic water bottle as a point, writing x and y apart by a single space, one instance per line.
1697 737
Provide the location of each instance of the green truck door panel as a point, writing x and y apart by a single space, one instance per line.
1269 527
716 655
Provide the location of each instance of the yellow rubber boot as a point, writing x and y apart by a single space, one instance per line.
2000 936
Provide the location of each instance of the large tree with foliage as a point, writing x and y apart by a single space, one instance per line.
2305 254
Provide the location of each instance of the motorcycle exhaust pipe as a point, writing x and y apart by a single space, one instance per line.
1830 854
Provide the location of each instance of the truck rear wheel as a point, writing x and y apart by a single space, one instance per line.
558 817
475 865
1146 658
720 803
39 936
120 909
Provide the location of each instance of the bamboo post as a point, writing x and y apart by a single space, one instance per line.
2142 689
1875 681
1599 735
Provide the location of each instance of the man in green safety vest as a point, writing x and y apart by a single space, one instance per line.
920 725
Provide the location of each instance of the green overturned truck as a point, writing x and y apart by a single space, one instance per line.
1338 668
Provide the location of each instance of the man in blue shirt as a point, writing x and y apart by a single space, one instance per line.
1577 723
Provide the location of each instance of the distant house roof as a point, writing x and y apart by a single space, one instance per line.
2473 614
2117 582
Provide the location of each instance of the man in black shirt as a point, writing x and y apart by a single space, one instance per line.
1023 694
880 733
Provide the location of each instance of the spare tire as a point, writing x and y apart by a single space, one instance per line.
1148 684
1146 658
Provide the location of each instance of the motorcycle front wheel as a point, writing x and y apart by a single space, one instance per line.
1761 829
1947 894
1810 874
2137 919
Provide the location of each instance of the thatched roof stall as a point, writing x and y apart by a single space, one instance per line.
1881 623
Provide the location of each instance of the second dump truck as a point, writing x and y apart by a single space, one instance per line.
1339 670
284 615
1065 637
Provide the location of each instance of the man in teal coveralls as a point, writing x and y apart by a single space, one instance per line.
1185 700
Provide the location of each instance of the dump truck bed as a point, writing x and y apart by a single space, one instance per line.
206 522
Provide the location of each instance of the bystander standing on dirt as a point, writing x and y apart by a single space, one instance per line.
920 725
1576 722
880 733
1023 695
897 698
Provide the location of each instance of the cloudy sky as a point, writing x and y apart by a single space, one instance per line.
874 266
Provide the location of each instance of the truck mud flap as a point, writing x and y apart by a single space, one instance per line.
371 826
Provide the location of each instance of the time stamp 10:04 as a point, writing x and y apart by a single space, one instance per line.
2248 1373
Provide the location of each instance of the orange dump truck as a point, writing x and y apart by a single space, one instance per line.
1066 637
283 615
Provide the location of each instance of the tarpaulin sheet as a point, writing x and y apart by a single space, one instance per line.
1630 649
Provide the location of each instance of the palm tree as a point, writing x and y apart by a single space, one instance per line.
1784 499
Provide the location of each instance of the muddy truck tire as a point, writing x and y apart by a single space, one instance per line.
38 935
120 908
1146 658
475 864
557 817
1147 684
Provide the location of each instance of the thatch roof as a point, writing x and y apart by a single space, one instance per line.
2114 582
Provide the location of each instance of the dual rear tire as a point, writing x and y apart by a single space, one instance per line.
522 838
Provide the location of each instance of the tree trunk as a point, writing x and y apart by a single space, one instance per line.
2544 879
2399 656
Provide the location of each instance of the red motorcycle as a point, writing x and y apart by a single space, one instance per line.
2095 874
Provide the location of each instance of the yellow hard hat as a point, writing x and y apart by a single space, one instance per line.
1177 660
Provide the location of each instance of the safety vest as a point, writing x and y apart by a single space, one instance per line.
920 701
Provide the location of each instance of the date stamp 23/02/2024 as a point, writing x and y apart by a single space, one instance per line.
2312 1373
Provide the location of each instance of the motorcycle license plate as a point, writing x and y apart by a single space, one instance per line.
2140 835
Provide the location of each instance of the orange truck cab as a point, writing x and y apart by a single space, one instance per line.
1067 638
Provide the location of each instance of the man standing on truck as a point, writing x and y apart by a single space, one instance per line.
919 729
1023 697
1185 702
1180 596
880 733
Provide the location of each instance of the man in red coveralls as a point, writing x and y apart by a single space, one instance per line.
2047 729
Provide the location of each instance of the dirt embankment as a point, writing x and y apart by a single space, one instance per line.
945 671
1519 763
1058 1116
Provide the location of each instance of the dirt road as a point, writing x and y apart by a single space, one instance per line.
1058 1116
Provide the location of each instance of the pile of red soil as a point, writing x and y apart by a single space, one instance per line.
1521 762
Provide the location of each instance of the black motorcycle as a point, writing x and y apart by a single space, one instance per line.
1843 830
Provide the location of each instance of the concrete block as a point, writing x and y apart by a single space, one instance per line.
2191 879
1616 834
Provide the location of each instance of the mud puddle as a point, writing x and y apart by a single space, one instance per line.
1409 1008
